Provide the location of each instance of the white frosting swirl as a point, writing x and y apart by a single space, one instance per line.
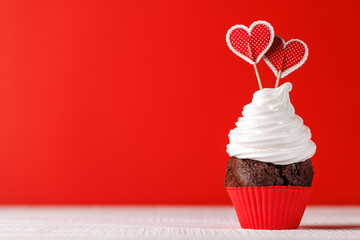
270 131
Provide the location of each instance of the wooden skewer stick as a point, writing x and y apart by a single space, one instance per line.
278 79
258 77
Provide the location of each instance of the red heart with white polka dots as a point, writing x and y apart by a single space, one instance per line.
286 57
250 43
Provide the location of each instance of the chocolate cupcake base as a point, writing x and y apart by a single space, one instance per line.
252 173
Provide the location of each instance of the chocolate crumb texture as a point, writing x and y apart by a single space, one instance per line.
252 173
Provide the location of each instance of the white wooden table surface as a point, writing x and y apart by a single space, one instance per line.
164 222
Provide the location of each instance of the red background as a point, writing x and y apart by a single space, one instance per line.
132 101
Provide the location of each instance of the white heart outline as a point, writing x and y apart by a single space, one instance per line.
296 66
248 30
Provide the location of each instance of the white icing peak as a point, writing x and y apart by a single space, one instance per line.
270 131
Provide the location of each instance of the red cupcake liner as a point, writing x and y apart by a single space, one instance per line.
274 207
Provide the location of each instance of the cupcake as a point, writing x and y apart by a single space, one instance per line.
269 173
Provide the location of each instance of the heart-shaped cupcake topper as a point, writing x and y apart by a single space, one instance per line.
284 58
251 43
